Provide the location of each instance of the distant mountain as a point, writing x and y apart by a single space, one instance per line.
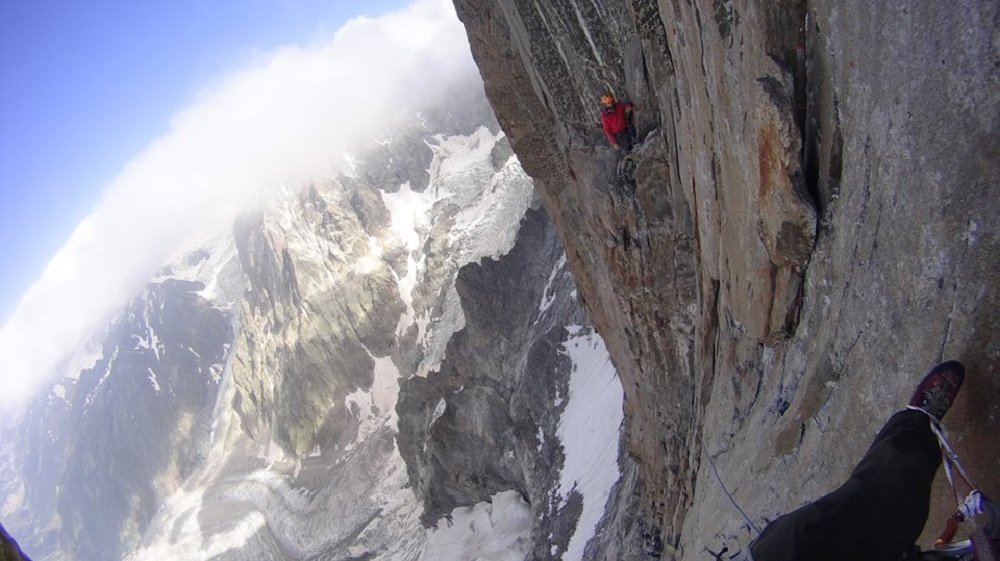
102 452
391 364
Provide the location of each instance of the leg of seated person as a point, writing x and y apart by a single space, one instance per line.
876 514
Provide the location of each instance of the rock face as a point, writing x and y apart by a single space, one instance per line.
324 333
812 225
9 550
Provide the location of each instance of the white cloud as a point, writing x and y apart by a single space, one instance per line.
287 119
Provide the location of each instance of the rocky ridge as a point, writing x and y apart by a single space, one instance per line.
359 284
811 226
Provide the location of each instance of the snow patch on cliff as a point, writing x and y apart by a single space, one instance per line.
211 264
490 217
378 403
589 431
498 530
549 295
409 210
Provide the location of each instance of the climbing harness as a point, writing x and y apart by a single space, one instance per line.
626 167
629 161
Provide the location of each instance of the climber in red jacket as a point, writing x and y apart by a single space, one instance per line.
616 118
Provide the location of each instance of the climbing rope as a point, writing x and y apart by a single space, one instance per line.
972 507
729 495
952 463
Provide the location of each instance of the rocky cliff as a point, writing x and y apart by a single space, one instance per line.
9 550
812 225
393 363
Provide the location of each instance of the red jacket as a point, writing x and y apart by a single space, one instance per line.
614 120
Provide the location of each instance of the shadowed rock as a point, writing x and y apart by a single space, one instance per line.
9 550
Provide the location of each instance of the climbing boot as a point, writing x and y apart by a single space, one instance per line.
938 389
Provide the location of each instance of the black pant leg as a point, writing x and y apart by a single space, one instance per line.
876 514
624 139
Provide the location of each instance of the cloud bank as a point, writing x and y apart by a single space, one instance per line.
285 120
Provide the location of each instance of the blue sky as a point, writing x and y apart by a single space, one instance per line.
84 86
131 137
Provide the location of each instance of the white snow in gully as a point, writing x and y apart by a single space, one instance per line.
589 431
489 531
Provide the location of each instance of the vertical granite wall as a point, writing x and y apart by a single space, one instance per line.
812 225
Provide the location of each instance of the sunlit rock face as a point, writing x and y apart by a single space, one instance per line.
811 227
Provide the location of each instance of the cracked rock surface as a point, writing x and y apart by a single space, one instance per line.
812 226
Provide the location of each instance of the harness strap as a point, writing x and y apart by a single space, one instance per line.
972 505
952 464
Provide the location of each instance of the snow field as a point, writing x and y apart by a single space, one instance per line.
489 531
493 201
589 431
378 403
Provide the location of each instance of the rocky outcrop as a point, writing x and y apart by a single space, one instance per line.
485 421
326 270
811 226
306 343
9 550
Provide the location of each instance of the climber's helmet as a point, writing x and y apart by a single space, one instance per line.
608 100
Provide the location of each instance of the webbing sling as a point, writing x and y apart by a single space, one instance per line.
973 507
